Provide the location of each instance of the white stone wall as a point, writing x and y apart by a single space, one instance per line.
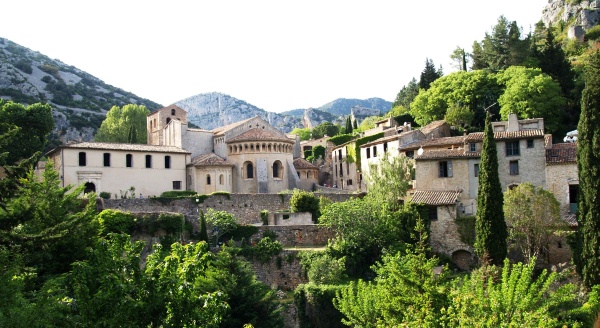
558 179
220 179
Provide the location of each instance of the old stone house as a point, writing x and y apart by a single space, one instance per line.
249 156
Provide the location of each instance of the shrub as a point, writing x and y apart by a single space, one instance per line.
593 33
115 221
24 66
105 195
177 193
341 139
264 216
305 201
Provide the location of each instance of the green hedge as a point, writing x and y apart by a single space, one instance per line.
341 139
115 221
177 193
315 305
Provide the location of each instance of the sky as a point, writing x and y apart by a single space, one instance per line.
276 55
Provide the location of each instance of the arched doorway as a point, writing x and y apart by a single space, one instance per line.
89 187
462 259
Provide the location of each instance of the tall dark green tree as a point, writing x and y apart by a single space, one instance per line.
203 236
429 74
407 94
587 247
553 61
490 226
349 124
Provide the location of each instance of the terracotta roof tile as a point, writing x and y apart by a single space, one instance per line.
225 128
447 153
432 126
210 159
571 220
301 163
433 197
436 142
563 153
478 136
258 134
121 146
389 138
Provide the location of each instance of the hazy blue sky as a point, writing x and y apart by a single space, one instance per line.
277 55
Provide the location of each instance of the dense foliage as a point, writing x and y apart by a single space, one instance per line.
587 246
124 125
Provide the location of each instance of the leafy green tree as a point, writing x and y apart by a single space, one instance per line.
325 129
517 297
490 226
459 116
459 58
203 235
476 90
33 124
390 179
532 215
587 247
304 133
530 94
321 268
50 225
124 125
429 74
221 222
502 48
305 201
369 123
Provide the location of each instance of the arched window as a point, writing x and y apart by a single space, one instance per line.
249 170
277 170
221 179
208 179
168 120
173 111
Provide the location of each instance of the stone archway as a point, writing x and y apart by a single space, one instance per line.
89 187
462 259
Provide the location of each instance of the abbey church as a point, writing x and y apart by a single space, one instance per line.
249 156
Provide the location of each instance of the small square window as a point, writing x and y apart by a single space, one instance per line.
529 143
433 214
512 148
410 154
472 146
176 185
445 169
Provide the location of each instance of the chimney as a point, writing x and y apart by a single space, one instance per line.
513 122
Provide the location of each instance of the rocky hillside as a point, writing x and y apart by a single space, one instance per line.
79 100
584 13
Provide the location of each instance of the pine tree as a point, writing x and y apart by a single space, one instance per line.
490 226
349 124
429 74
587 248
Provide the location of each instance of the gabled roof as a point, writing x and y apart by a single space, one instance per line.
562 153
436 198
435 142
209 159
432 126
390 138
258 134
504 135
225 128
172 106
120 146
447 153
301 163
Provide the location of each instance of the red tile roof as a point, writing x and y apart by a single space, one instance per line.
436 142
301 163
258 134
503 135
432 126
210 159
571 220
447 153
121 146
562 153
433 197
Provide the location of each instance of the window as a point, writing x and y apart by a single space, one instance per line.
129 160
167 162
368 152
107 159
445 169
472 146
410 154
385 147
374 151
341 170
148 161
168 120
221 179
277 170
208 179
349 182
529 143
513 167
82 159
476 170
172 111
176 185
512 148
433 214
249 170
340 154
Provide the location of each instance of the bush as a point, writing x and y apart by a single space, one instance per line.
341 138
177 194
305 201
593 33
315 305
170 223
115 221
24 66
264 216
105 195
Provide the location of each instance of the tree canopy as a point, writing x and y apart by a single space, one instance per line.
124 125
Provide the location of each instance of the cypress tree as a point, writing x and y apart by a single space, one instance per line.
587 242
490 226
203 232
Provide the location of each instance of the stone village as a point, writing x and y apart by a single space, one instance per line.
254 162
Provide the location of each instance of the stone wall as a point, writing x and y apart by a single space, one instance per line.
282 272
245 207
300 235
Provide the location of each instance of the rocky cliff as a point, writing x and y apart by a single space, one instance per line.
584 13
